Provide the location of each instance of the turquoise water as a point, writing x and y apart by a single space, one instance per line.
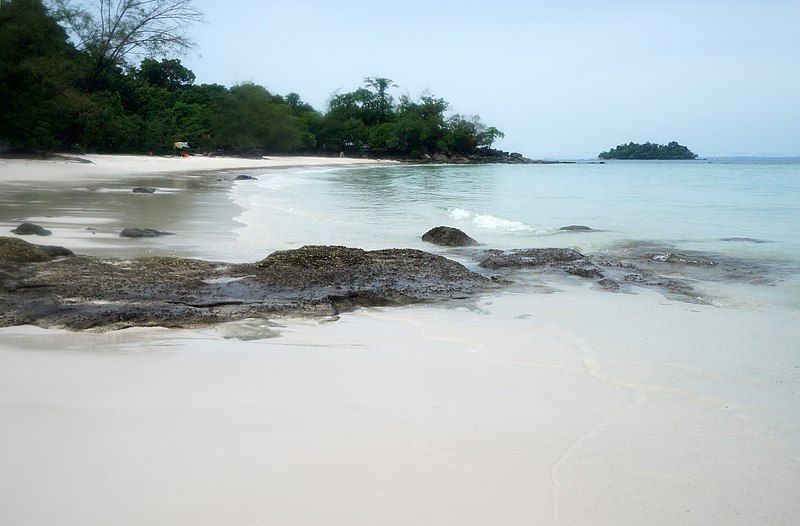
743 215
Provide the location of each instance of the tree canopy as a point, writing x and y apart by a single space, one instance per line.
99 77
649 151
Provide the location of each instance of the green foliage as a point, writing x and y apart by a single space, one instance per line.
37 76
649 151
169 74
88 96
112 32
248 118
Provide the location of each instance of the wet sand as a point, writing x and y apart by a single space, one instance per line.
577 407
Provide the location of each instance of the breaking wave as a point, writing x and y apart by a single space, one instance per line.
490 222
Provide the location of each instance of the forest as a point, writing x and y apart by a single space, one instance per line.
104 77
649 151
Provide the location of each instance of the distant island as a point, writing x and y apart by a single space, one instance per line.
649 151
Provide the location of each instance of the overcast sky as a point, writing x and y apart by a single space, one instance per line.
562 79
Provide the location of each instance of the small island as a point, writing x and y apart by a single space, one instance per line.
649 151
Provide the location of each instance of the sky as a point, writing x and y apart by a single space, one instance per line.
562 79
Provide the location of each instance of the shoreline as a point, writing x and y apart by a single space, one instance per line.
86 204
566 406
100 166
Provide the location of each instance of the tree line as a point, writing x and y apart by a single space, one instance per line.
649 151
72 77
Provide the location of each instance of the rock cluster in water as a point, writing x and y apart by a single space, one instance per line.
83 292
49 286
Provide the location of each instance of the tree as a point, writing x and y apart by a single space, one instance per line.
169 74
248 118
649 151
383 101
419 126
465 134
37 76
114 31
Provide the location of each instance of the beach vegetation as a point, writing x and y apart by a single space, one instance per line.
649 151
102 77
113 32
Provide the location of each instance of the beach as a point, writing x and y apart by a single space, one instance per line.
550 403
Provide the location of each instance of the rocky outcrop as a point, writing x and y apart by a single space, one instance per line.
448 236
29 229
480 156
84 292
15 251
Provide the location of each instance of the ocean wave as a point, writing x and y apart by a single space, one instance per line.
490 222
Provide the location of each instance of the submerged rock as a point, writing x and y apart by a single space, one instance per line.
577 228
746 240
143 232
29 229
528 258
448 236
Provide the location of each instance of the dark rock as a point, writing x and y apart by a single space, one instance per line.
576 228
55 251
16 251
608 284
178 292
746 240
584 270
244 178
29 229
143 232
144 190
448 236
528 258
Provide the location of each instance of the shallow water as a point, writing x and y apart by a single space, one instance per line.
742 217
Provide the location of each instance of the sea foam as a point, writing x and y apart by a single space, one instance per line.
490 222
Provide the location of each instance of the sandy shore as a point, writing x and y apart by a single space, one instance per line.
104 166
573 408
87 204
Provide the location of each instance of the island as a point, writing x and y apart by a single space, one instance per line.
649 151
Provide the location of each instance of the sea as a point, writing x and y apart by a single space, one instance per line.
729 228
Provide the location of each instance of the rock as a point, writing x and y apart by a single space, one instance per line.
677 258
576 228
528 258
144 190
244 178
584 270
448 236
143 232
29 229
55 251
608 284
746 240
15 251
179 292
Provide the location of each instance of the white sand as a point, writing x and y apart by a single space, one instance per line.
573 408
105 166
